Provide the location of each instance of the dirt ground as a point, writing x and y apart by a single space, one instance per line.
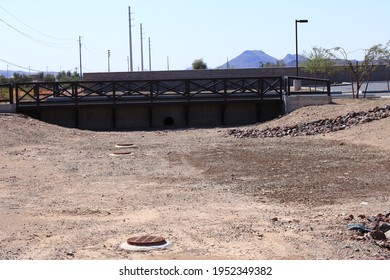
63 196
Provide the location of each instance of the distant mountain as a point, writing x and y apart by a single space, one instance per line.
250 59
11 73
254 59
289 60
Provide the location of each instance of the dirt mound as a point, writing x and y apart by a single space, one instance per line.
62 196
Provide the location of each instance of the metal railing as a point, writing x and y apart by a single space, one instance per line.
151 91
306 85
160 91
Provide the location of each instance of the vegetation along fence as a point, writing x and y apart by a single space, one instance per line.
6 93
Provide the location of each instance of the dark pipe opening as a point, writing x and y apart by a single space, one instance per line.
169 121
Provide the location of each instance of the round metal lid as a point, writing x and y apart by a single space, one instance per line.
124 145
146 240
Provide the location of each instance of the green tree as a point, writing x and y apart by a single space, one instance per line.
41 76
386 61
319 62
49 78
199 64
3 80
21 78
68 76
279 63
361 71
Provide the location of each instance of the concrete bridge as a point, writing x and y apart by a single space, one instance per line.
165 102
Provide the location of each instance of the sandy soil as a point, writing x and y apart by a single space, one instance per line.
62 196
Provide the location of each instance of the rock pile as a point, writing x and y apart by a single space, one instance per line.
318 127
375 229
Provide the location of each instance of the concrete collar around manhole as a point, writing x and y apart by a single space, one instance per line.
125 145
121 154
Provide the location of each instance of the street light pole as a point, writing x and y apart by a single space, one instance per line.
296 42
108 58
81 64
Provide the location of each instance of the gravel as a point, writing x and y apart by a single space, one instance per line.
321 126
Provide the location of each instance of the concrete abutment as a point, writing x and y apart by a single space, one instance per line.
161 116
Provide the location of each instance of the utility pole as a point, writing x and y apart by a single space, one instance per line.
142 48
150 56
131 42
108 58
81 64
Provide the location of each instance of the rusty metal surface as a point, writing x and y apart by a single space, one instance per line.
146 240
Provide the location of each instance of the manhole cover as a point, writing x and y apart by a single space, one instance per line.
118 154
125 145
146 243
146 240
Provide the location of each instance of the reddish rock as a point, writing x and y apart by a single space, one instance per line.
378 235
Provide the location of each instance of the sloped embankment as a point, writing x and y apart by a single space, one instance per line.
321 126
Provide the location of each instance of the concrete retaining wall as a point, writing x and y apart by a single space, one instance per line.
7 108
131 117
294 102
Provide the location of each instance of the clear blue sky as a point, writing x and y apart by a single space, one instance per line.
43 34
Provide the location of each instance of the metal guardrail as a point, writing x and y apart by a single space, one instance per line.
153 91
307 85
160 91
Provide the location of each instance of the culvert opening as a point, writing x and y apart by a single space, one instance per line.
169 121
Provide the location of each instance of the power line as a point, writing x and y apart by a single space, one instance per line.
47 44
16 65
91 49
32 28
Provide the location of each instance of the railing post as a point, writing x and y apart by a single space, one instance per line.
151 92
11 93
225 92
114 93
37 94
262 88
114 109
16 94
288 86
187 91
281 88
75 93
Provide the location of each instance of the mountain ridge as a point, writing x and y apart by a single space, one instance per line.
258 58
